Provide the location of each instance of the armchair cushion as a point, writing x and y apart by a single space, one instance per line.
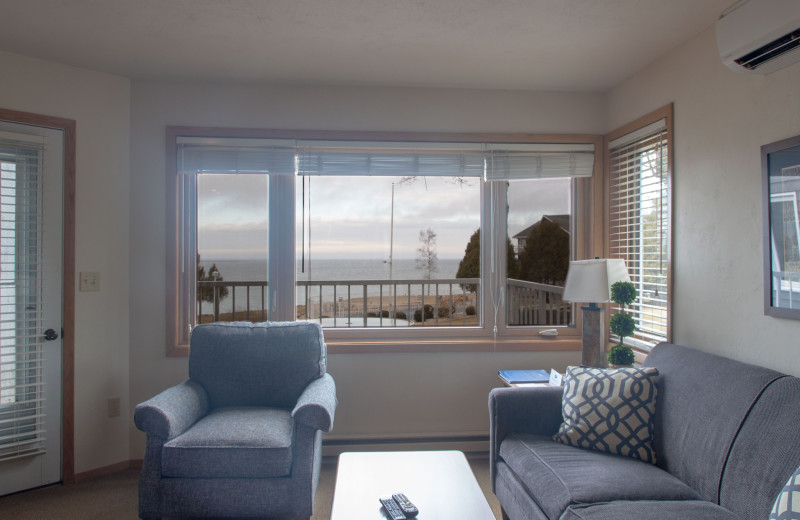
236 442
282 359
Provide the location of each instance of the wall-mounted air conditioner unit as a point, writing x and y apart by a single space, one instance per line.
760 36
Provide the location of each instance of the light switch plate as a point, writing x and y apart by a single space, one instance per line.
90 281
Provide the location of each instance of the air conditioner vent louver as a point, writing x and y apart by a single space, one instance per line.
759 36
770 51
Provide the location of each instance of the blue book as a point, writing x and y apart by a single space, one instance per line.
524 376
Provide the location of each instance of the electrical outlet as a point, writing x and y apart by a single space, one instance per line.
114 407
89 281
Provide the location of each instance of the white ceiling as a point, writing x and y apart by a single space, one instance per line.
561 45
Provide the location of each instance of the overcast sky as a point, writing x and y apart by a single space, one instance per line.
350 217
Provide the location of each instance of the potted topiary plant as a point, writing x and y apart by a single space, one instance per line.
622 324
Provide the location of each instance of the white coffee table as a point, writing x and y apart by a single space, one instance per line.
440 483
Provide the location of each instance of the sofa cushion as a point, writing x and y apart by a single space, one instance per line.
765 451
703 400
237 442
787 505
649 510
610 410
557 475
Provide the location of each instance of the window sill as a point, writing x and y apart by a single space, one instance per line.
453 345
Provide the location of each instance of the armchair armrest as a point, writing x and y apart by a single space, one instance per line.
535 410
173 411
316 406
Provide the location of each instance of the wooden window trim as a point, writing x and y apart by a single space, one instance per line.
591 244
667 113
69 127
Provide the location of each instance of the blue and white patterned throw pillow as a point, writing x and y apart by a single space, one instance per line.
787 505
610 410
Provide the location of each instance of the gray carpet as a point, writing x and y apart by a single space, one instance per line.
115 497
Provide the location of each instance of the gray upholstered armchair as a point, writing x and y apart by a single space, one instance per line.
242 436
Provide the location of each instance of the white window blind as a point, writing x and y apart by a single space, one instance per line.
21 357
240 156
492 161
639 225
398 159
536 161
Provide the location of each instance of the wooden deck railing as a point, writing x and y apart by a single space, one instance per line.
387 303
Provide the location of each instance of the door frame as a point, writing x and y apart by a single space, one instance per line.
68 126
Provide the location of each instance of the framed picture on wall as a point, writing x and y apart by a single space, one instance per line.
780 166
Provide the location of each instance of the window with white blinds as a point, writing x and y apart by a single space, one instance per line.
21 377
468 182
639 224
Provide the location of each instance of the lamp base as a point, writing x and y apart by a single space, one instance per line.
592 352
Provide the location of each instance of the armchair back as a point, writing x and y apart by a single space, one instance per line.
256 364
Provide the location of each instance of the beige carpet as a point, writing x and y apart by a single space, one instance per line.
115 497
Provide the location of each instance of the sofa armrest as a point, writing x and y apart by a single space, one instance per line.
173 411
531 409
316 406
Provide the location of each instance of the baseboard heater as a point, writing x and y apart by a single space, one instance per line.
476 444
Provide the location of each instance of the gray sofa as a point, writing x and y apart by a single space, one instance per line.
242 436
727 437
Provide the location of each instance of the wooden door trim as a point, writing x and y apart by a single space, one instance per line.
68 126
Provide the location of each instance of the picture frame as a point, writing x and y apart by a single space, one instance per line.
780 172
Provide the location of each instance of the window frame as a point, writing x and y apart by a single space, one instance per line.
665 113
586 243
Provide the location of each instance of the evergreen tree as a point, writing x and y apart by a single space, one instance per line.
206 294
470 265
545 258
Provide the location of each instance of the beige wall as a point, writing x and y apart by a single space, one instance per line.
722 118
99 103
449 391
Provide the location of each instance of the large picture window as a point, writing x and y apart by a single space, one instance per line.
375 239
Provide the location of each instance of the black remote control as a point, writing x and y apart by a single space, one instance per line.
391 507
409 509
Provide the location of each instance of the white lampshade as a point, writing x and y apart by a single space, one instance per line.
590 281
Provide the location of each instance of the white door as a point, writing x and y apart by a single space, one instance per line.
31 235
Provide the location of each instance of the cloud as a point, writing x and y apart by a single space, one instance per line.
350 217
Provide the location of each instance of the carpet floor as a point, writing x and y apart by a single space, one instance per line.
115 497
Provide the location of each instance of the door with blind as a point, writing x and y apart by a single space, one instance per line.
31 237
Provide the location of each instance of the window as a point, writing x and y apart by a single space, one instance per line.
539 253
639 219
385 251
375 239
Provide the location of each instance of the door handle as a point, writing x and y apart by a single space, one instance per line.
50 335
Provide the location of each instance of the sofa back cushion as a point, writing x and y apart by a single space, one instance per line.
256 364
766 451
703 399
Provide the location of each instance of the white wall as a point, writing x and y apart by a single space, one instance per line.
99 103
446 392
722 118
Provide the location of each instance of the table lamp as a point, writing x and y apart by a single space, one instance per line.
589 281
